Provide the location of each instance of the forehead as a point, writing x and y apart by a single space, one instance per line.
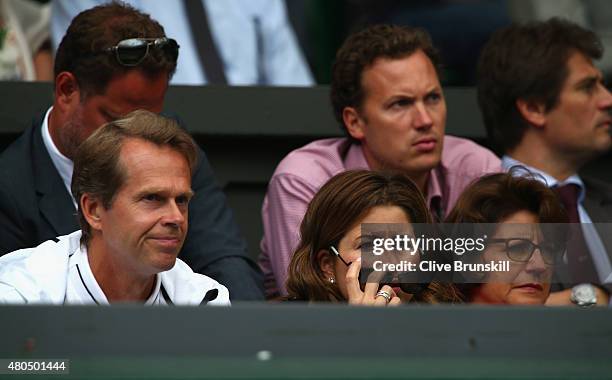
522 223
134 90
410 73
580 67
380 215
144 162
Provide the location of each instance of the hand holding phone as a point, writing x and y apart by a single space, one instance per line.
371 294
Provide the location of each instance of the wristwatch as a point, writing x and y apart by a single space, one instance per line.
583 295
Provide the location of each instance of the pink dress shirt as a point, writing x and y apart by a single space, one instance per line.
302 173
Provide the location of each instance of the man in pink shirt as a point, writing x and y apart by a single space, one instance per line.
387 97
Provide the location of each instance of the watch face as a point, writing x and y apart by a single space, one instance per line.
584 294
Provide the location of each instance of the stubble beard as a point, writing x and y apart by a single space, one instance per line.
68 140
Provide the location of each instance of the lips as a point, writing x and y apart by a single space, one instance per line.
605 123
168 242
426 144
530 287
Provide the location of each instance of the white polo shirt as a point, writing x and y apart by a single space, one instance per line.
58 272
83 289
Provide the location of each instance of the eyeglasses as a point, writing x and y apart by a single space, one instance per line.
337 254
363 272
405 280
521 250
132 51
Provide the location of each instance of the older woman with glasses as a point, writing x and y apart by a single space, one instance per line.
525 213
326 264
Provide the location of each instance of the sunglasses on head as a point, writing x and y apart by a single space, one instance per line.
132 51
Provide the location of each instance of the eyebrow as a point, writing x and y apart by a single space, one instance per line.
365 237
373 235
188 194
437 90
393 98
589 81
434 89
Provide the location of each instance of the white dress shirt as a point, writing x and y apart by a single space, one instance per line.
63 164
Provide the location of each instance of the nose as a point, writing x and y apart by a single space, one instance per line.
174 215
422 119
536 264
606 100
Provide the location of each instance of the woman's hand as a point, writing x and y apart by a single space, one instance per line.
370 296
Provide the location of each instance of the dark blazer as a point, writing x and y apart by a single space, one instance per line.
598 200
35 206
598 204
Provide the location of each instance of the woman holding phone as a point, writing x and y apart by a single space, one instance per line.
326 264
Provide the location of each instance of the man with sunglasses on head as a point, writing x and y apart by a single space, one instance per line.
236 42
113 60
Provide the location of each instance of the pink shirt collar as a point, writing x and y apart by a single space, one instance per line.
355 159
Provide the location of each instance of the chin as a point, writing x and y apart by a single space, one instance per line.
164 264
604 148
424 163
526 300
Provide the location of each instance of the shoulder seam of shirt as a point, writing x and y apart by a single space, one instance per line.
303 180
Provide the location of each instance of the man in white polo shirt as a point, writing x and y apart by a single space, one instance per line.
132 182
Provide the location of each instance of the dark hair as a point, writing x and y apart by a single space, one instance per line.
337 206
361 49
495 197
529 62
97 166
82 49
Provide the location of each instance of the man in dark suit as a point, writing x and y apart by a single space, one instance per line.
112 60
545 106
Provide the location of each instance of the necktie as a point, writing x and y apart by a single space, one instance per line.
579 258
207 51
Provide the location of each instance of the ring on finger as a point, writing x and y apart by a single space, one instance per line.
386 295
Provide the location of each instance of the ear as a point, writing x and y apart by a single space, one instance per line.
533 112
67 92
326 263
354 123
92 209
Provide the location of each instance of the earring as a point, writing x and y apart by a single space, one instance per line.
332 280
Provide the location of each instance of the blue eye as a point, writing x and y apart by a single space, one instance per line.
183 200
152 198
433 97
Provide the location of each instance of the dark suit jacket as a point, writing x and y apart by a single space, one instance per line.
598 200
35 206
598 204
